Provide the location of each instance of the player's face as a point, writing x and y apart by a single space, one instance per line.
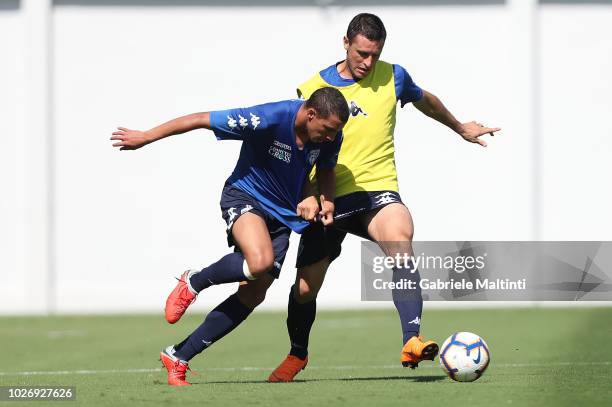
321 130
361 55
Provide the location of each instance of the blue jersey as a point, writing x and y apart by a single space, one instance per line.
271 168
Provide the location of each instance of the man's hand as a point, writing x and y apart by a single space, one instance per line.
327 211
308 208
472 130
130 139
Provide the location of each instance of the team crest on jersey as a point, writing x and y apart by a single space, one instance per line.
312 156
356 110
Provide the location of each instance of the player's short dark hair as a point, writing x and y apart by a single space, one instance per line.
368 25
329 101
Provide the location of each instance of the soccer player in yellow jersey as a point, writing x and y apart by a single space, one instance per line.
367 200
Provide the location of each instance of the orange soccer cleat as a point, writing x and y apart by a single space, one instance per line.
177 369
180 298
415 350
288 369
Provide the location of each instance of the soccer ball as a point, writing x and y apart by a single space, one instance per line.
464 356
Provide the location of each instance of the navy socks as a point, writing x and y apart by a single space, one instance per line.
409 303
227 270
300 318
218 323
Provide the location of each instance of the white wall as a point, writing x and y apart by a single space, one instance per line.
124 223
576 128
13 161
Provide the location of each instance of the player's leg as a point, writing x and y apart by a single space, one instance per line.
224 318
318 247
392 228
251 235
302 305
255 258
236 308
219 322
253 292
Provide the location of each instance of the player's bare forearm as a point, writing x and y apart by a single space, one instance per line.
310 189
433 107
180 125
128 139
308 208
326 180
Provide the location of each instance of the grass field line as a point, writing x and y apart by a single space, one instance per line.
248 368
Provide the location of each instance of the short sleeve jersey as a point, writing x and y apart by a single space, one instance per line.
271 168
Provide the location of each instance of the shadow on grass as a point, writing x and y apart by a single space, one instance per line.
417 379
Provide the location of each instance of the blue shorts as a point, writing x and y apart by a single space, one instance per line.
318 242
234 203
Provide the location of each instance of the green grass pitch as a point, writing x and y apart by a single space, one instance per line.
540 357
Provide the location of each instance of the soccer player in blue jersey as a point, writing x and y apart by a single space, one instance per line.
260 202
367 203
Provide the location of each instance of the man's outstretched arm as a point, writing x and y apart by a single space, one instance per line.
431 106
128 139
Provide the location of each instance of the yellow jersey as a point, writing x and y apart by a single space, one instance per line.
367 158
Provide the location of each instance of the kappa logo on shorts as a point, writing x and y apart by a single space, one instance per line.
416 321
231 213
356 110
385 198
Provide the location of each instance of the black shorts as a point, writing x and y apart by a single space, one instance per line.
234 203
318 242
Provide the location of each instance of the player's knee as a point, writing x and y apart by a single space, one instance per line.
260 263
408 232
404 234
309 283
306 292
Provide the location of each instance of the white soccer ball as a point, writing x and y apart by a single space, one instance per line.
464 356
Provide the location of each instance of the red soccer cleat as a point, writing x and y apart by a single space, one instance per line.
177 369
180 298
288 369
415 351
